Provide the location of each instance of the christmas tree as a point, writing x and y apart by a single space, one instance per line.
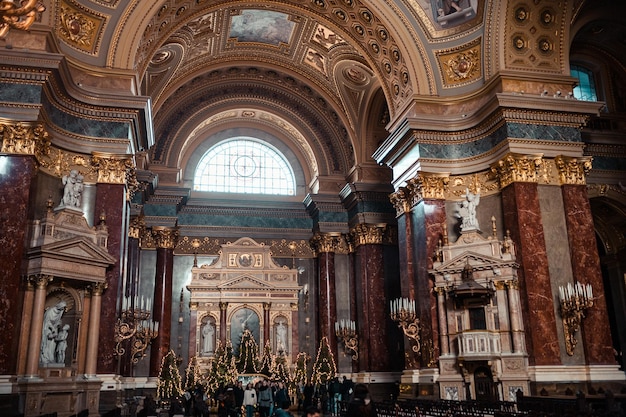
192 374
223 370
324 368
300 374
267 362
281 370
169 384
248 354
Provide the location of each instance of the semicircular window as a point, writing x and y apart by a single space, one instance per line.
244 165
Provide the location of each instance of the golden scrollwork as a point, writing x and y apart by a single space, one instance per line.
573 171
98 288
24 138
112 169
367 234
460 65
137 224
165 237
325 242
432 185
41 280
77 28
19 15
518 168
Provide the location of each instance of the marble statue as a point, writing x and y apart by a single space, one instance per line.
50 331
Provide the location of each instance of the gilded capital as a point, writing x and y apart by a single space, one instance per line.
430 185
518 168
112 169
136 227
325 242
267 306
500 285
165 237
24 138
401 200
573 171
98 288
223 305
367 234
41 281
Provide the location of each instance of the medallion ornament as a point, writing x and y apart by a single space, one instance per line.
461 65
80 28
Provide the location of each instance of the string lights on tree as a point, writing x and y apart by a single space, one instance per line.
169 384
267 361
300 373
324 368
248 354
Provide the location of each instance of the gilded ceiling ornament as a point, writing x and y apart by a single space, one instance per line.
460 65
79 29
19 14
573 171
24 138
518 168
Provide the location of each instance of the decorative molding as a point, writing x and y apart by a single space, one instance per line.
80 27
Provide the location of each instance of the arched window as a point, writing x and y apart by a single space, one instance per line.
244 165
586 88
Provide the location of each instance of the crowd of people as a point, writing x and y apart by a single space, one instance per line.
272 399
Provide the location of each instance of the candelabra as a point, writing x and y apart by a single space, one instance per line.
346 331
574 300
135 326
403 312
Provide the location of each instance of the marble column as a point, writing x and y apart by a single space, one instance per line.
517 329
403 201
83 334
111 208
597 342
34 345
27 320
223 335
371 300
267 325
20 142
325 245
295 346
193 332
93 334
426 197
443 321
162 306
519 176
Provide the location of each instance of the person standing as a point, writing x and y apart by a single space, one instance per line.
361 403
265 399
249 400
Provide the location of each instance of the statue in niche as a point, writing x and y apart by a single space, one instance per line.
50 332
208 334
467 211
73 189
61 340
281 336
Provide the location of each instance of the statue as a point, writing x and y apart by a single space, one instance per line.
61 340
50 331
281 336
73 189
208 332
467 211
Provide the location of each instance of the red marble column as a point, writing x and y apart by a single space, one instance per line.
295 347
193 324
597 344
522 217
327 299
16 175
434 221
111 201
223 307
162 304
371 300
267 326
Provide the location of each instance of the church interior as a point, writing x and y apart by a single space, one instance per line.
434 189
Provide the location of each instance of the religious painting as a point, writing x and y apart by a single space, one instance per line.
263 26
243 319
450 13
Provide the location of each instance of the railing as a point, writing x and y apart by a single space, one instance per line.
479 343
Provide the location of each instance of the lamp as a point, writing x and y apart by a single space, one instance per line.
134 324
574 301
346 331
402 311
